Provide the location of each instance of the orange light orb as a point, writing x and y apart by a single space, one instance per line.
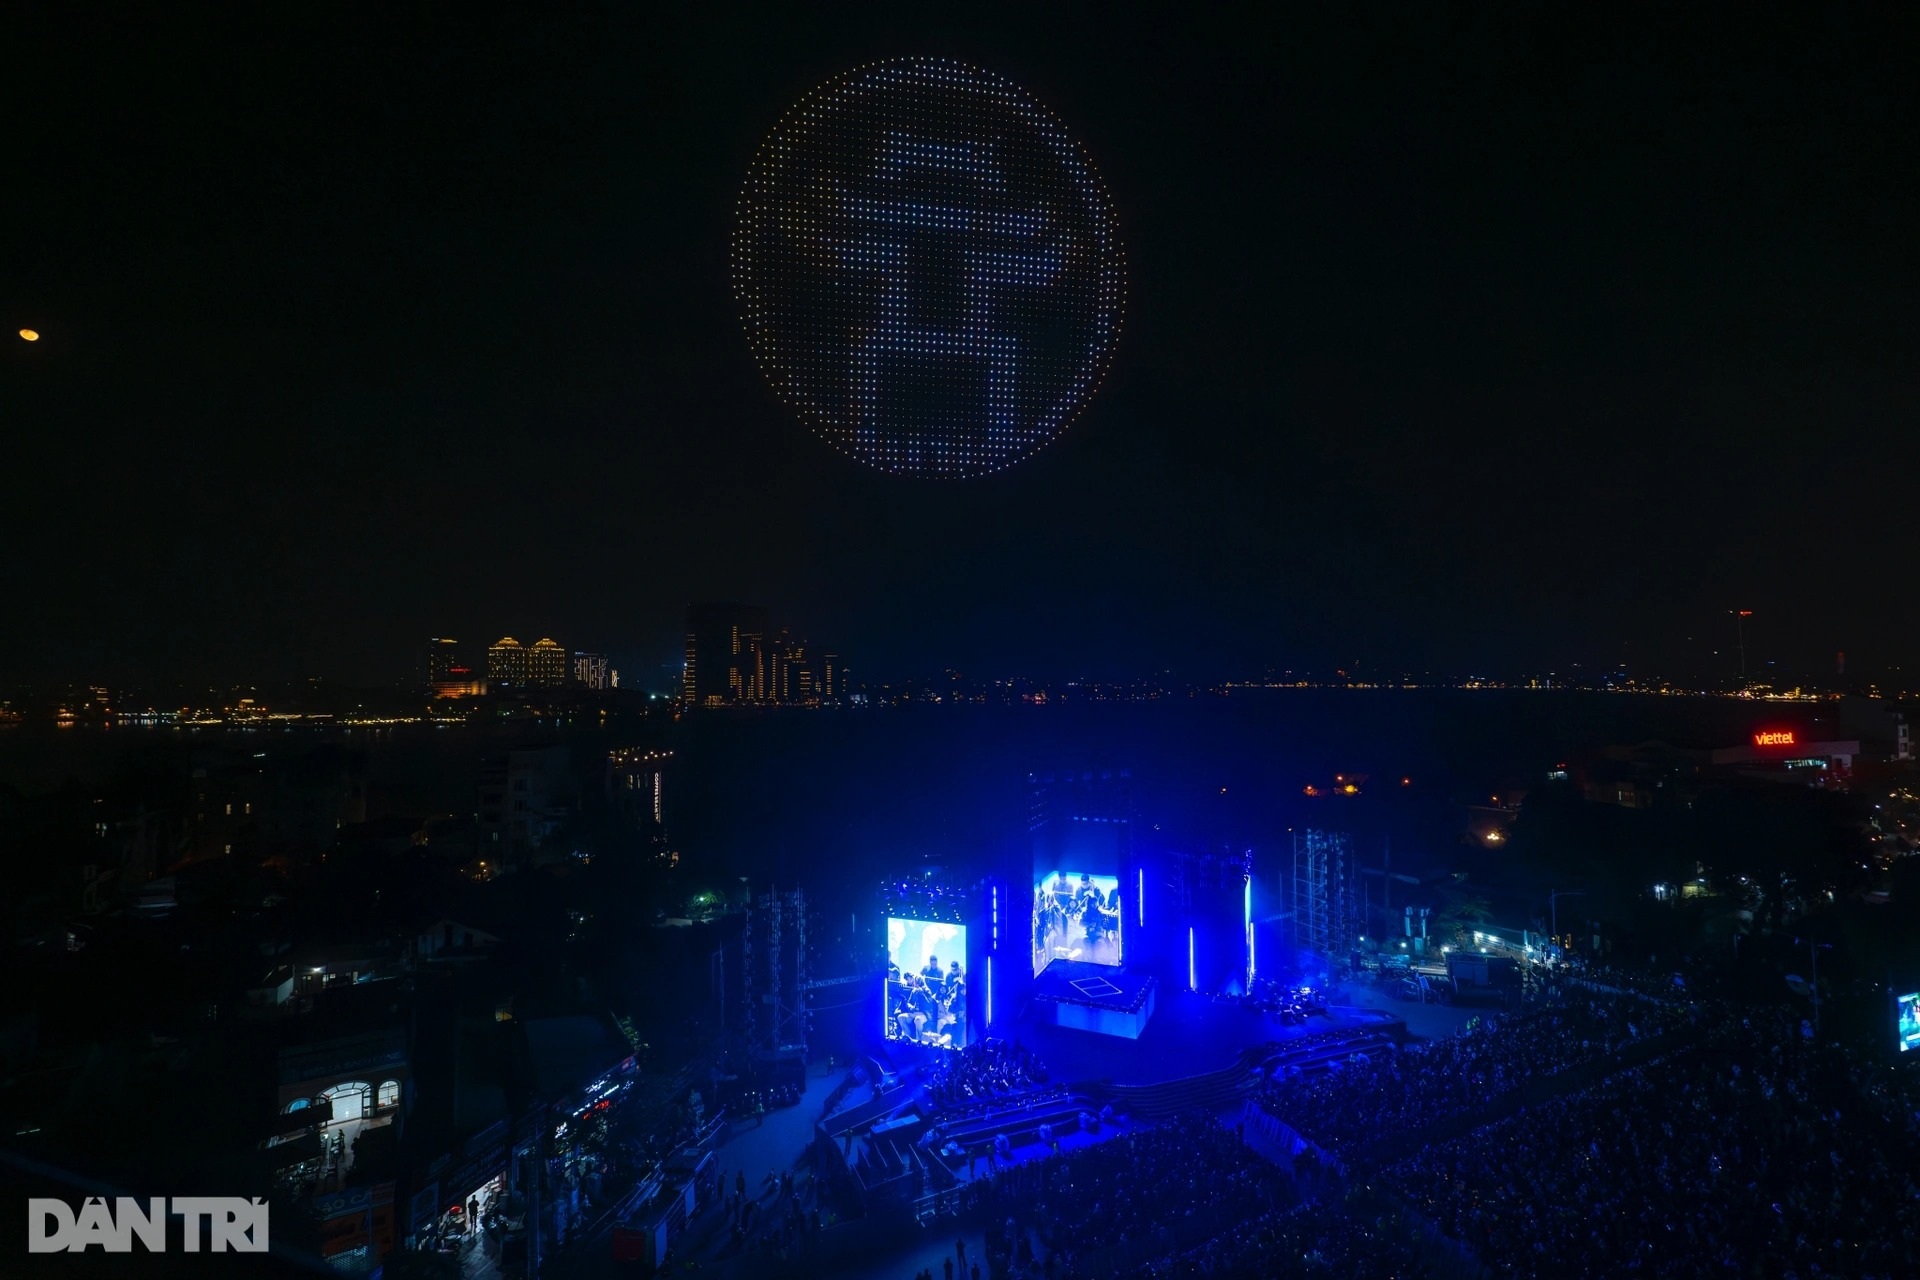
31 335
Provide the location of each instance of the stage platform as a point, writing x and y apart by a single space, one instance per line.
1188 1035
1095 997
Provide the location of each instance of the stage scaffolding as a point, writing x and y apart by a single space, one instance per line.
775 971
1323 908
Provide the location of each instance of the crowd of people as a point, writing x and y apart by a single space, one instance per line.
1397 1094
982 1073
1314 1237
1118 1205
1754 1152
775 1218
1673 1137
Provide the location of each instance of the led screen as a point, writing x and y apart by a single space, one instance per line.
1910 1021
927 982
1076 916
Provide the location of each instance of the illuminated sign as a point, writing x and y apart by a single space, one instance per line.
1774 738
929 268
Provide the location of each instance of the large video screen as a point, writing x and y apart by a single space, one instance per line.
927 982
1910 1021
1076 916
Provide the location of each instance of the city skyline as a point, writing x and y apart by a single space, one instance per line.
1742 657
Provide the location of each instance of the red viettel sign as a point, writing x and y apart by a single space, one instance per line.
1774 738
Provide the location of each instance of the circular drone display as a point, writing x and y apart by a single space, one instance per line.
929 268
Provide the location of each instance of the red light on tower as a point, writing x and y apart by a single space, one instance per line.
1774 738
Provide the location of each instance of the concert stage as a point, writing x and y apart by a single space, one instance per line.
1189 1035
1095 997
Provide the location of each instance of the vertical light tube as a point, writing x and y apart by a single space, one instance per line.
989 1023
1249 921
1193 981
1140 898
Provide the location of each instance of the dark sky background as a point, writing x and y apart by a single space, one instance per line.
1464 338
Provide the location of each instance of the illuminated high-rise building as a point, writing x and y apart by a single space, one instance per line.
591 670
726 655
447 676
546 664
790 679
442 656
507 662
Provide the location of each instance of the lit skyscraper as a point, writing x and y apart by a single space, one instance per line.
546 664
542 664
442 657
725 655
507 662
591 670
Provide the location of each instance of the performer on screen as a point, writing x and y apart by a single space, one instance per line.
925 1011
900 1008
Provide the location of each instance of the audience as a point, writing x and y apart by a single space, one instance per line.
984 1072
1387 1094
1315 1238
1118 1205
1740 1147
1756 1152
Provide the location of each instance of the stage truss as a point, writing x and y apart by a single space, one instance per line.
775 972
1322 906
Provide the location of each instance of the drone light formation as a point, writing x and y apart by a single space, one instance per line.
929 268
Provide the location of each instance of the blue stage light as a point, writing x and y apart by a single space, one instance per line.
1249 917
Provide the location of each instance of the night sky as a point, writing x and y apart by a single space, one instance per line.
1470 339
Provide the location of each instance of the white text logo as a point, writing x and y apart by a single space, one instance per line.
231 1223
